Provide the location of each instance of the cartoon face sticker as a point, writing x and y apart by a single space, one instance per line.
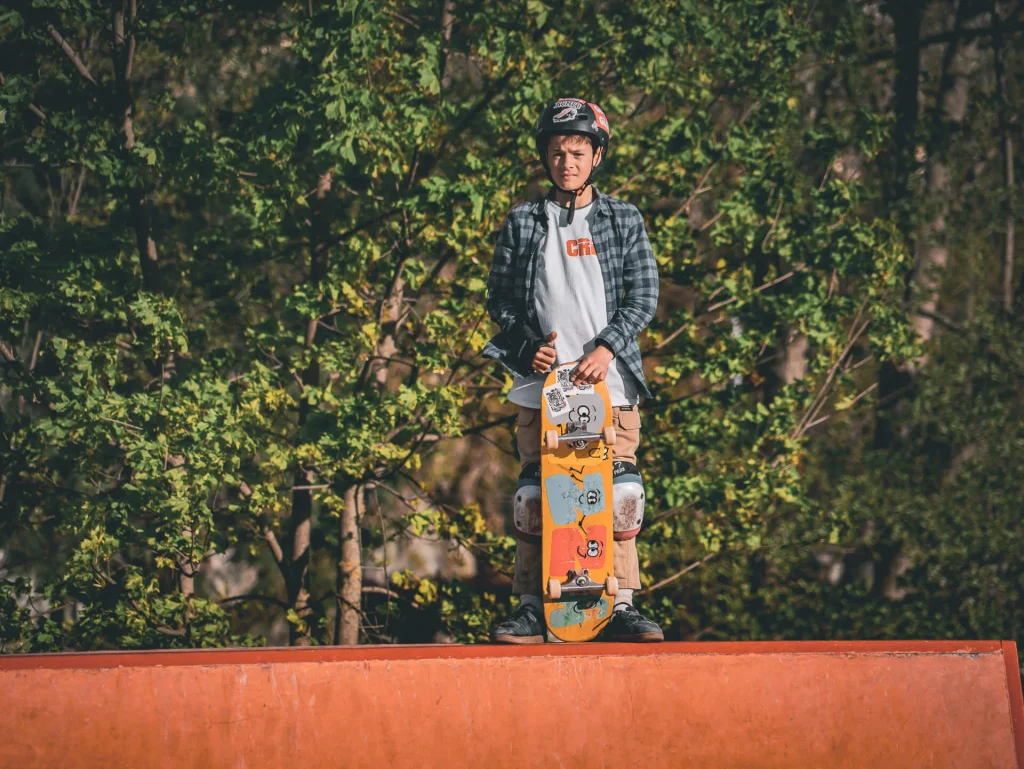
582 415
593 549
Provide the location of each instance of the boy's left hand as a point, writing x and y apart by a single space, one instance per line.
593 366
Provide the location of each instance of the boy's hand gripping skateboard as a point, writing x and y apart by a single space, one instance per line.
576 505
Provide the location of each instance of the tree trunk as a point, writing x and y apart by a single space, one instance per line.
792 364
302 499
930 249
933 253
350 569
898 161
896 166
999 54
187 572
124 57
447 22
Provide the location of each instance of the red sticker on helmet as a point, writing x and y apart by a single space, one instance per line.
602 119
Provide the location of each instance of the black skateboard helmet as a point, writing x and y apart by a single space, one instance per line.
572 116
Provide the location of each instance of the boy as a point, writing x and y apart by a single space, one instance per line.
555 289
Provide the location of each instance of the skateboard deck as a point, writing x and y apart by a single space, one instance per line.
576 505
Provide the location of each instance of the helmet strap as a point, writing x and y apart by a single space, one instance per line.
572 193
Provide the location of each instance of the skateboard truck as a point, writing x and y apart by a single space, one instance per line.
580 583
579 440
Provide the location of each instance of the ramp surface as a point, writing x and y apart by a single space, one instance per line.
708 705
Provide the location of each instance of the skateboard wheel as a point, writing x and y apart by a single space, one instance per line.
554 589
551 439
611 585
608 434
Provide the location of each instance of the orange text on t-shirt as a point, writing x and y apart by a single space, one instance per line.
581 247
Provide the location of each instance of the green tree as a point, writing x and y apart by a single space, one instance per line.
245 250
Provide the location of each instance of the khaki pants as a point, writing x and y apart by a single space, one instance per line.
528 554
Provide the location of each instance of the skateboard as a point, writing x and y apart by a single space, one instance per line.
576 505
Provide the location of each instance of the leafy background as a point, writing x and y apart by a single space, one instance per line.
244 253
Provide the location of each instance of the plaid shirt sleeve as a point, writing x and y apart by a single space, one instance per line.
504 301
640 281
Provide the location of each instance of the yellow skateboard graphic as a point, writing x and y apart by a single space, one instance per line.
576 505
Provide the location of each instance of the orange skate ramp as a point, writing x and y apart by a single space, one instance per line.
860 704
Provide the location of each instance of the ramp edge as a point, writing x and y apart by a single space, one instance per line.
1013 687
270 655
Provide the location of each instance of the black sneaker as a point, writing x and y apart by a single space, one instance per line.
523 627
628 624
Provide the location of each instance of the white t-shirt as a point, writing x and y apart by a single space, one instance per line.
569 299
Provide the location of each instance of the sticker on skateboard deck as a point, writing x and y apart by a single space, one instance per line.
579 612
565 496
576 505
575 550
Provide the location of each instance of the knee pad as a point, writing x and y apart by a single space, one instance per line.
628 500
526 509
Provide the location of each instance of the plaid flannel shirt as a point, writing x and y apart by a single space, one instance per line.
627 265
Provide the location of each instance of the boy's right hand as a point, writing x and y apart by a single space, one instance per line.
545 356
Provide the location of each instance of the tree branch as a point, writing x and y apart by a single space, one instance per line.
678 574
718 305
275 546
962 35
254 597
819 399
79 64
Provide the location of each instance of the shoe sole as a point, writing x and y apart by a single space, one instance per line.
518 639
639 637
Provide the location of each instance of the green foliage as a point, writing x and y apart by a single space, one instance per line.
917 540
18 632
254 281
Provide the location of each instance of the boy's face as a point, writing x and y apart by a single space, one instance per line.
571 159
